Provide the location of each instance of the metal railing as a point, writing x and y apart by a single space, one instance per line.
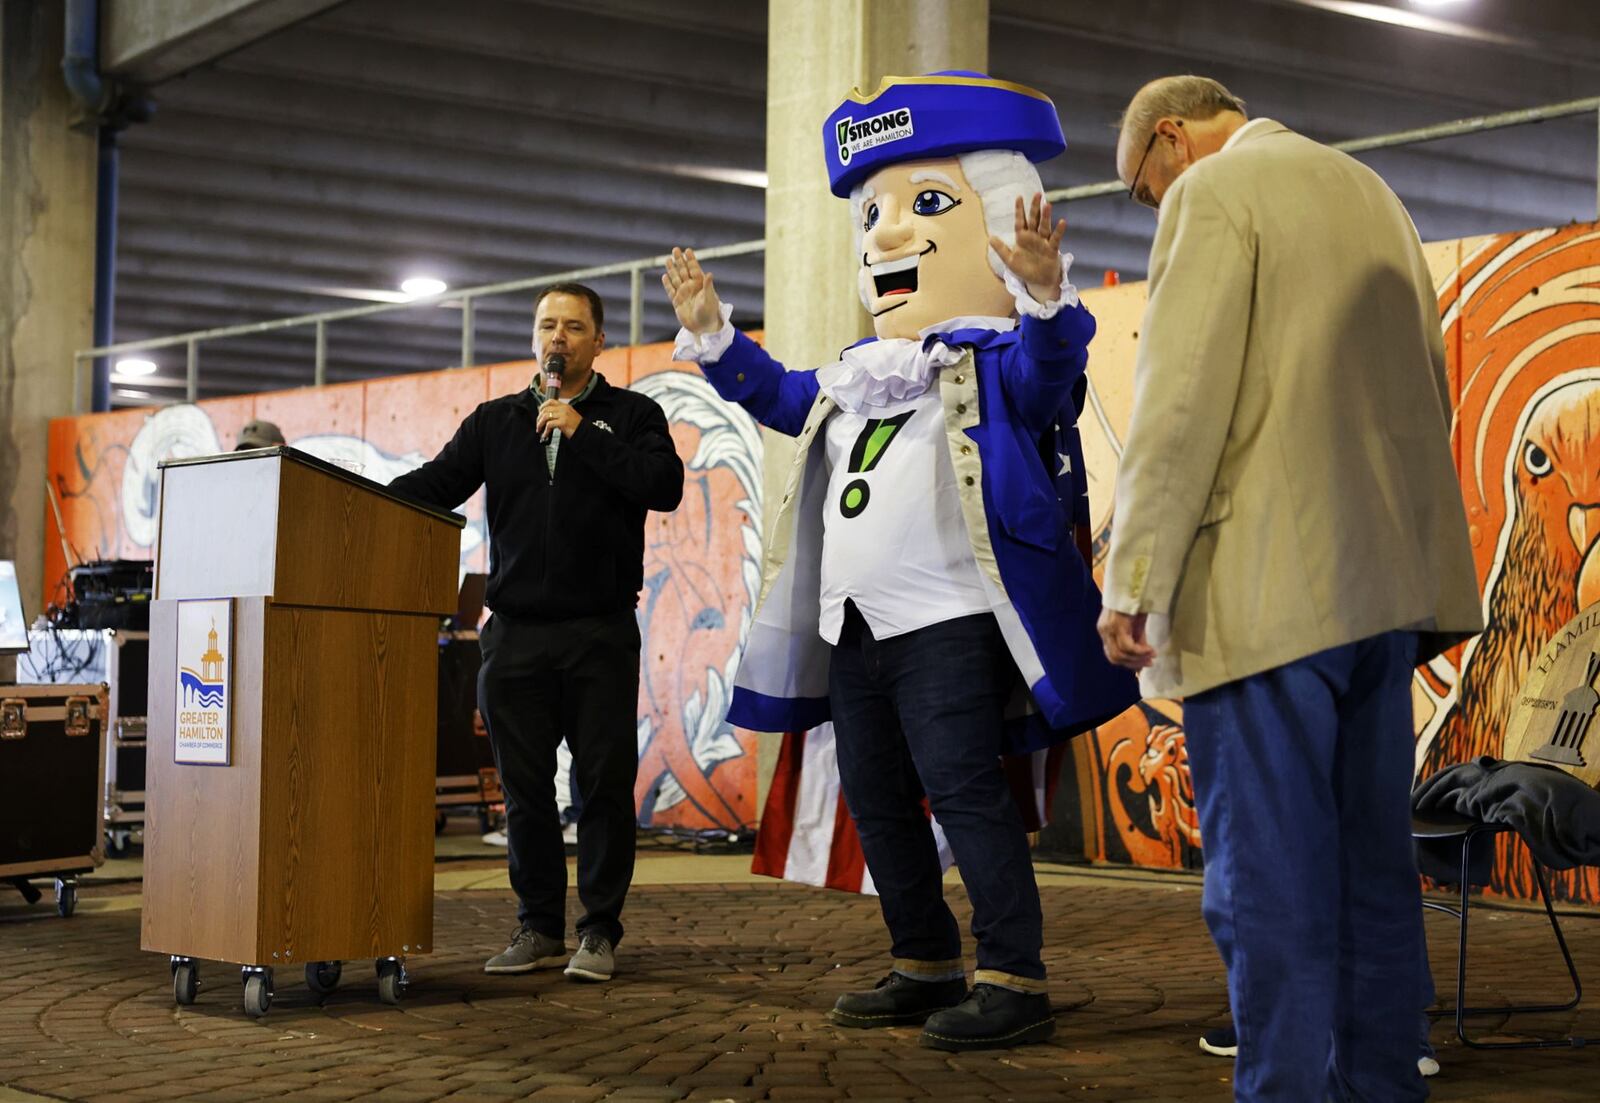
635 269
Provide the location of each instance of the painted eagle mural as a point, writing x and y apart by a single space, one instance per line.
1522 324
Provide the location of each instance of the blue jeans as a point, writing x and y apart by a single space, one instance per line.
1302 775
917 714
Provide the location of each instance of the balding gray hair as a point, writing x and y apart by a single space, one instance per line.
1185 97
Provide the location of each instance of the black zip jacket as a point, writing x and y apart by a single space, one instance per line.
572 544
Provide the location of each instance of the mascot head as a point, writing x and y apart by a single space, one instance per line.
932 167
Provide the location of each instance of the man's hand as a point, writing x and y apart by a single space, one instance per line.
695 300
1036 259
555 414
1123 636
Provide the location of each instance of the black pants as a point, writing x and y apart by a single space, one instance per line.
580 679
922 713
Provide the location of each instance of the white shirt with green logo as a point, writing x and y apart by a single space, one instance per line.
894 538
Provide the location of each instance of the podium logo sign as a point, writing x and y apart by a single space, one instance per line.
204 683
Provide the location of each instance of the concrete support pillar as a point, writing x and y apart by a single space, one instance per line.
817 51
47 211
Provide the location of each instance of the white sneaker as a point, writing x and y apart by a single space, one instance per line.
1221 1042
495 838
1224 1042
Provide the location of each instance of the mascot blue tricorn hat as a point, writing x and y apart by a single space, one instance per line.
938 115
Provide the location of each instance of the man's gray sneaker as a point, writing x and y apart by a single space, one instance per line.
529 950
594 961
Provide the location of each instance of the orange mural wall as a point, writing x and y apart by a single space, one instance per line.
1521 314
695 771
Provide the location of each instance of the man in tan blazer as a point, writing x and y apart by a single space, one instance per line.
1288 543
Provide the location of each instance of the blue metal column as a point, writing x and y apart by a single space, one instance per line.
105 266
108 109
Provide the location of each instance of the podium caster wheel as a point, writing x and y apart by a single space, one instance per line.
392 980
257 994
185 983
322 977
66 897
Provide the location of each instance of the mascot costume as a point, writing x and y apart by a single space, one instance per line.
925 585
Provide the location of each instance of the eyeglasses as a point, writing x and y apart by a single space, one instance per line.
1133 185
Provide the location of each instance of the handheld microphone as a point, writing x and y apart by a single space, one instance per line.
555 366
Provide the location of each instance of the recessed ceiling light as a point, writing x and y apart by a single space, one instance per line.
749 178
420 287
1415 20
136 367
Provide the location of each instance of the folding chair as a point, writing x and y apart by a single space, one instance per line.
1440 826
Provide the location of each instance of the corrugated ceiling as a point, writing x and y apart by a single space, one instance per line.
499 139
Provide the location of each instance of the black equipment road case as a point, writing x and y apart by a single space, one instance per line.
128 676
51 784
121 659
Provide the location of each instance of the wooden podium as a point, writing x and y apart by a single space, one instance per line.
289 791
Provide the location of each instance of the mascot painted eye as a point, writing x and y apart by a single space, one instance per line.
933 202
1536 459
871 218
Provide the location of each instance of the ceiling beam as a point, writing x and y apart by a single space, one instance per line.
474 82
738 19
696 57
151 42
1256 38
438 220
204 135
558 142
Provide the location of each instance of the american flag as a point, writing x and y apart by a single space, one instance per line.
806 833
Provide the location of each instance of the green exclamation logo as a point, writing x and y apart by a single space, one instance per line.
869 449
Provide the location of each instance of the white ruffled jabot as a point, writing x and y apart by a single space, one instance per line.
872 374
883 372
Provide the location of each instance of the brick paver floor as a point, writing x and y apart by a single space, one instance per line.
721 995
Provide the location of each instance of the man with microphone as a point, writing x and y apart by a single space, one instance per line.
571 465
